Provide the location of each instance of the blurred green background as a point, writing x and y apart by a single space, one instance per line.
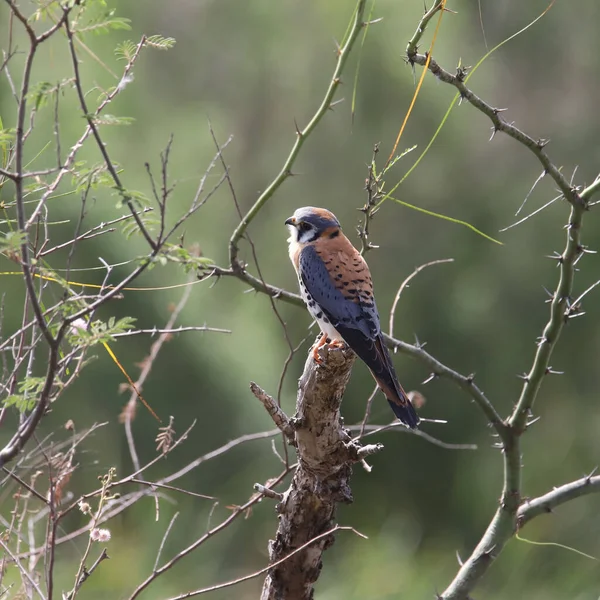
253 68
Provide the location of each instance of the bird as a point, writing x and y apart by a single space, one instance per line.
336 286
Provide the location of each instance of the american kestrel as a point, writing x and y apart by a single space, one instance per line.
336 286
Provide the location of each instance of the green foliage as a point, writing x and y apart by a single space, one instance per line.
189 260
106 119
93 177
11 242
29 389
105 22
85 335
40 92
20 402
159 42
130 227
139 199
7 138
125 50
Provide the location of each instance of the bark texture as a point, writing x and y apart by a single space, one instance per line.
326 453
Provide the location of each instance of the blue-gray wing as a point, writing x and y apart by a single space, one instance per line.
334 295
338 285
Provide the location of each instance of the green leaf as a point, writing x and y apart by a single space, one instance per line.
129 228
105 119
105 23
40 93
33 385
138 198
125 50
11 242
160 42
99 332
20 402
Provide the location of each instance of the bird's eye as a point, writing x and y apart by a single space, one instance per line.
304 226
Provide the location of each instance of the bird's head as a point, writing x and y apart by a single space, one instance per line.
308 224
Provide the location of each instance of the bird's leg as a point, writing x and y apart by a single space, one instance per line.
315 350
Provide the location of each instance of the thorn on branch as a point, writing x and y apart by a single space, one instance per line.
334 104
588 478
556 256
461 73
551 371
430 378
495 128
542 143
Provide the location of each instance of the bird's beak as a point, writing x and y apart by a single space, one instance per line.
291 221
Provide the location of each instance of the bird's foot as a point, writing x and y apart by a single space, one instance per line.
315 350
324 340
341 344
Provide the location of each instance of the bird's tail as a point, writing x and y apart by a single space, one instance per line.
377 358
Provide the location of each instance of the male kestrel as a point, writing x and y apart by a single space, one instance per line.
335 283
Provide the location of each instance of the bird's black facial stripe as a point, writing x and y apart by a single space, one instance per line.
306 232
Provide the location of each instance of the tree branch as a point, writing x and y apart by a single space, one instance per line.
535 146
544 504
301 135
505 521
325 455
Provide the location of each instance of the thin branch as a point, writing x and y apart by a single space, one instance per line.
413 43
86 573
169 331
240 510
22 569
301 135
406 283
164 539
437 368
534 507
24 484
279 417
101 146
400 427
277 563
535 146
93 232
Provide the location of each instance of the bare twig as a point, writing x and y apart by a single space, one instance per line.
157 572
499 124
406 283
301 135
279 417
256 574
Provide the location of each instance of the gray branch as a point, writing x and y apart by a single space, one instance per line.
326 454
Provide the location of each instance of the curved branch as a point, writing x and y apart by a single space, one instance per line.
301 135
544 504
505 522
536 146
